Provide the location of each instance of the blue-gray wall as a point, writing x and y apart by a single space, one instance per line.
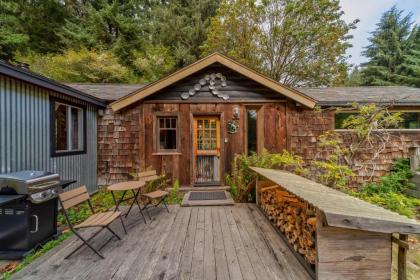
25 134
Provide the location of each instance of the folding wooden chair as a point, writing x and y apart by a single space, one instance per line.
158 195
101 220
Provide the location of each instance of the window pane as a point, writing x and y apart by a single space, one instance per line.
340 118
411 120
252 130
167 134
167 139
61 128
75 129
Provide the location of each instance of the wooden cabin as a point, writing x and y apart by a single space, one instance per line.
193 122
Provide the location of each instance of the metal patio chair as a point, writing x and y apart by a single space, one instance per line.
154 198
101 220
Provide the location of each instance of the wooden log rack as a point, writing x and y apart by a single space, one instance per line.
333 235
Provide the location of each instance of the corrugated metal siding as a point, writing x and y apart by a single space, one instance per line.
25 134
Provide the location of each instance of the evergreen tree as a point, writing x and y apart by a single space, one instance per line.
354 78
409 69
181 26
387 49
13 37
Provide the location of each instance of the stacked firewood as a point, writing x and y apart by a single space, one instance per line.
295 218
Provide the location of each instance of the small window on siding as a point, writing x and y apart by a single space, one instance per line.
251 130
68 128
411 120
167 133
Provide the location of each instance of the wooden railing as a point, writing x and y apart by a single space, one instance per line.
403 247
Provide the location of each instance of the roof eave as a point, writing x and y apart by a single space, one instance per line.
201 64
44 82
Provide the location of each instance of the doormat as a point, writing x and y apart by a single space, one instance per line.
207 196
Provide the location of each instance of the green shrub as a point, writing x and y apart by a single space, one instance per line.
242 179
396 181
388 192
174 196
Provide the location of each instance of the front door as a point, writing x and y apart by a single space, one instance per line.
206 150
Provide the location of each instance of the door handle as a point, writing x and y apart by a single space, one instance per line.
36 224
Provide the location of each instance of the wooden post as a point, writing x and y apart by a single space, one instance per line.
402 258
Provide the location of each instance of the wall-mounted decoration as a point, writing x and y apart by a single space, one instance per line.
232 127
214 81
236 112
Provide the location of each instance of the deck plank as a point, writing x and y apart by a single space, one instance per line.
257 263
244 261
176 237
293 269
143 238
222 270
232 259
187 253
209 261
273 268
197 271
194 243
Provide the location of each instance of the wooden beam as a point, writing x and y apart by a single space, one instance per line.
401 243
402 258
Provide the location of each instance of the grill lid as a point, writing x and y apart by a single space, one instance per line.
28 181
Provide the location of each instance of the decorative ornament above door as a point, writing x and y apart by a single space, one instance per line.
213 80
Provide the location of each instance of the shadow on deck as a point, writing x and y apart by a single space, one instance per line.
223 242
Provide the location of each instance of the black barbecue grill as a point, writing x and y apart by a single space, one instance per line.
28 211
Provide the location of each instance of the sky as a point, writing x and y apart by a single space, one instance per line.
369 13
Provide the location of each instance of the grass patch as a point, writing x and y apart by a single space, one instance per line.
174 197
36 254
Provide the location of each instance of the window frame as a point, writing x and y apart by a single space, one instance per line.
259 126
54 152
388 129
156 129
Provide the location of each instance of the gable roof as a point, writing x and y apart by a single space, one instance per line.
203 63
42 81
344 96
105 91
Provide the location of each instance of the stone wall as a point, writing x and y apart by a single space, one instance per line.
118 145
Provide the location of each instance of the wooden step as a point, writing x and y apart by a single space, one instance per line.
186 202
185 189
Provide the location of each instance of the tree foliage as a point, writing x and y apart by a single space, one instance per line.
394 52
12 34
133 32
80 66
296 42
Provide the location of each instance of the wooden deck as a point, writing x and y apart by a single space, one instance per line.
221 242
